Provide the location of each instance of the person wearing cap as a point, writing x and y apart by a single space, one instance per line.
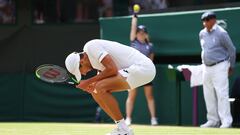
118 71
218 57
140 40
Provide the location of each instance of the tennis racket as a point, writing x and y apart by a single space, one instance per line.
54 74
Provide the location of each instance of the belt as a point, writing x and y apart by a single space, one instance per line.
216 63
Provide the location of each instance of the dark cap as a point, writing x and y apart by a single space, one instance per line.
208 15
142 28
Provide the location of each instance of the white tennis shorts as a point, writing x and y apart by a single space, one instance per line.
140 73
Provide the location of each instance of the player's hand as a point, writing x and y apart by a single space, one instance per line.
83 85
87 86
91 87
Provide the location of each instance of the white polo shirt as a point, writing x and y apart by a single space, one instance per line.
123 56
135 66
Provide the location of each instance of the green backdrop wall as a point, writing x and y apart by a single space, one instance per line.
23 97
172 34
23 47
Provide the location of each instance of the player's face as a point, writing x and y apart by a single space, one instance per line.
85 65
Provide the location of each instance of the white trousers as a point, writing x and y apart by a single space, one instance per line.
216 92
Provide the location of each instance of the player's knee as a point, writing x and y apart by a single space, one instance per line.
100 88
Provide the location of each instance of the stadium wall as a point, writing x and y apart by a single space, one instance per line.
22 96
174 33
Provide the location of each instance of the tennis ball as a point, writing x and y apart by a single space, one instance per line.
136 8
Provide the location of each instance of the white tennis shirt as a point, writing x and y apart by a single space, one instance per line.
123 56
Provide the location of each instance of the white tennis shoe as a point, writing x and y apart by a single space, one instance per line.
118 131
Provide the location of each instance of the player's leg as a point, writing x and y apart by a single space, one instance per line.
101 103
110 105
103 95
134 76
130 104
151 103
107 101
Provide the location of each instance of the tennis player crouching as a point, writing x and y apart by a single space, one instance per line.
121 68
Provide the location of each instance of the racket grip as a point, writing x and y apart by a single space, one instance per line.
72 83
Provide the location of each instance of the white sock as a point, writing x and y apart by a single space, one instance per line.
122 125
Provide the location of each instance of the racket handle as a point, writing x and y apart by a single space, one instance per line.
71 83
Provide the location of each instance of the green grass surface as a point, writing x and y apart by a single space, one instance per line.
102 129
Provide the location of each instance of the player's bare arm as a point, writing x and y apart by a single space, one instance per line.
109 71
